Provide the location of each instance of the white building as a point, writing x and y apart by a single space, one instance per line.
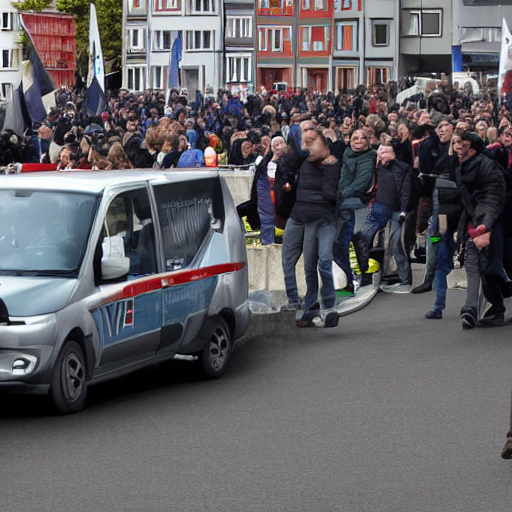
9 48
150 30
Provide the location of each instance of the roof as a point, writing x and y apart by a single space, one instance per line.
94 182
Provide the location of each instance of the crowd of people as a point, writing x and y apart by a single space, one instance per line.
331 170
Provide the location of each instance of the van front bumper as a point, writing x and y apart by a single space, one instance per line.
27 350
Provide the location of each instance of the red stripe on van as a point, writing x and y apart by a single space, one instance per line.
168 279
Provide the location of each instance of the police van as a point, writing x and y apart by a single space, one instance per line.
105 272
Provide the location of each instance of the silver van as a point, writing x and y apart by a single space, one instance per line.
103 273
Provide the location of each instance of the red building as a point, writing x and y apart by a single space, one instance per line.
275 36
315 44
53 35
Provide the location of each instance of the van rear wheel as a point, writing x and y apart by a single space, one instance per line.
68 388
215 356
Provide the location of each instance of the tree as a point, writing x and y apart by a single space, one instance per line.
32 5
109 14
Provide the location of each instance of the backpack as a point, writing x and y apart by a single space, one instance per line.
191 158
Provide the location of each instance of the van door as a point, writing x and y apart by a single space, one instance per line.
130 318
188 214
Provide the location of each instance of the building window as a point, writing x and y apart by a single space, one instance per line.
376 75
238 68
239 26
262 39
380 33
264 4
7 58
164 5
320 5
306 5
306 39
203 6
427 23
138 6
136 39
276 38
347 77
135 78
6 21
158 76
199 40
346 36
6 91
161 40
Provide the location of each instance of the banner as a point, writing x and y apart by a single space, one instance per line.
98 68
505 70
175 59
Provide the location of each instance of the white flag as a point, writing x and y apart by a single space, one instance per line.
95 50
505 73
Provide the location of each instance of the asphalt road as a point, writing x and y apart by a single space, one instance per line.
388 412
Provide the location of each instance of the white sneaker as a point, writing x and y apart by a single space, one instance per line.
396 288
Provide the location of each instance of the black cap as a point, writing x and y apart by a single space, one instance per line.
476 142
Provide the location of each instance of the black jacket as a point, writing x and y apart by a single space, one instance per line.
482 186
316 192
402 177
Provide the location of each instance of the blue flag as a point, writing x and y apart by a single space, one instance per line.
174 73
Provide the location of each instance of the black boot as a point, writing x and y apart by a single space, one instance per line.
362 249
426 286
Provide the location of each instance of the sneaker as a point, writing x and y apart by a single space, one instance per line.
308 317
507 449
291 306
468 316
494 317
435 314
331 319
396 288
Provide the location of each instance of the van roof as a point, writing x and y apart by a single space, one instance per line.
94 182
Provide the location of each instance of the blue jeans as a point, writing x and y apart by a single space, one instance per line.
293 238
318 256
266 210
445 249
345 222
379 216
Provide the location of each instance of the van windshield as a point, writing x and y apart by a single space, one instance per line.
43 232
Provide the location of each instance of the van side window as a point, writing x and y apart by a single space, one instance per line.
129 227
187 212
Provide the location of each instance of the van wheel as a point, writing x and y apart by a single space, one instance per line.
68 389
215 356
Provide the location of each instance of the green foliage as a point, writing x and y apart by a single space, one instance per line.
109 14
32 5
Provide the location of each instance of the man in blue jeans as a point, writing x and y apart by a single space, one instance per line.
314 213
393 192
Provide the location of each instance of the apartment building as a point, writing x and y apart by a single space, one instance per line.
151 28
476 34
425 37
239 47
10 51
365 48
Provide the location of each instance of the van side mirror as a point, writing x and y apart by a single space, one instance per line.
114 264
114 268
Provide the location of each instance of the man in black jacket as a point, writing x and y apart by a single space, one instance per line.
314 212
433 161
393 192
482 187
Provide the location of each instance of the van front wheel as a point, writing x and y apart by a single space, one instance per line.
68 389
218 345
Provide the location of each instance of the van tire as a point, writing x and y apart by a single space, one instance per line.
68 389
214 358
